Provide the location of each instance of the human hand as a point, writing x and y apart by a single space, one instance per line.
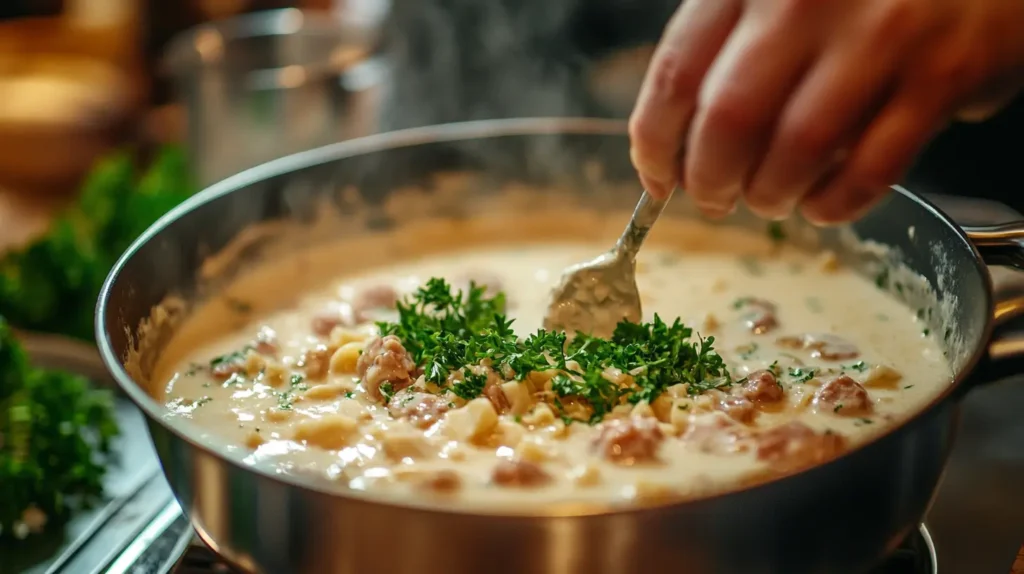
811 103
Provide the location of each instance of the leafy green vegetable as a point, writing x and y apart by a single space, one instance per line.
51 285
55 434
445 332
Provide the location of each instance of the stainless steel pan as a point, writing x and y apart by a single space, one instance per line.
838 517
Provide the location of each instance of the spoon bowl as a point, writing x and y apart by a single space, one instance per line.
595 296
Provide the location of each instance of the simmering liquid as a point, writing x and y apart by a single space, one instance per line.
818 358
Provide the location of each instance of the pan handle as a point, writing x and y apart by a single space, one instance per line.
1003 245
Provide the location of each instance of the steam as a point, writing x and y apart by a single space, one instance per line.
462 60
459 60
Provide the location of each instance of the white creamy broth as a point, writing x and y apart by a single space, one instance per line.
819 361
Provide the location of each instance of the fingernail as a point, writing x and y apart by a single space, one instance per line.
815 219
658 189
717 210
784 210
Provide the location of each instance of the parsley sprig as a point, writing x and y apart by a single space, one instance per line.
446 331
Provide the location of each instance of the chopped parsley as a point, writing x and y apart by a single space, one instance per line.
471 386
776 232
285 400
445 332
859 366
748 351
802 374
742 302
751 265
882 278
296 380
232 357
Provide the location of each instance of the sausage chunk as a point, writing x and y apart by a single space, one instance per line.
442 481
762 387
333 315
385 361
795 445
266 341
821 345
716 433
738 408
422 410
628 441
758 314
492 388
519 473
223 368
376 297
843 395
315 362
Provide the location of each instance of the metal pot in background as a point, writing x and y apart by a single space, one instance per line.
264 85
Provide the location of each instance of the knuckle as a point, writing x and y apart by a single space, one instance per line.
956 70
874 174
797 8
810 140
733 116
898 18
643 132
648 148
674 76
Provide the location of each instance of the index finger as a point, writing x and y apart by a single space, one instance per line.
668 96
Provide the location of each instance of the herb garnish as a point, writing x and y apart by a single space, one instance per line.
446 331
748 351
859 366
232 357
802 374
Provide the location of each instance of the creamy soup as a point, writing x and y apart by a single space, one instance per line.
807 360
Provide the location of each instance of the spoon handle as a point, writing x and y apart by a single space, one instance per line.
646 213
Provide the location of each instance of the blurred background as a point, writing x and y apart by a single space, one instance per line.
237 82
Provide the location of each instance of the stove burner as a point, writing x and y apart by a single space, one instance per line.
916 555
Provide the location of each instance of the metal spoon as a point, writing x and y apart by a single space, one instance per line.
593 297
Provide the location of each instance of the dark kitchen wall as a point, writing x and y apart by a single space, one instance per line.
473 59
984 160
